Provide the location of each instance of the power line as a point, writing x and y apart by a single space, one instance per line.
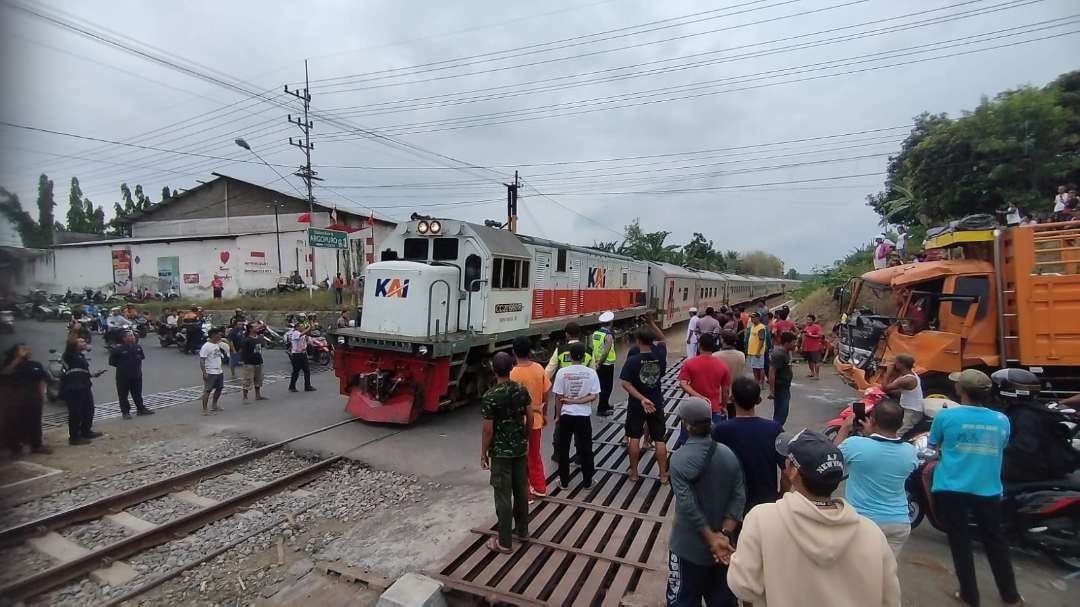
448 124
573 41
516 89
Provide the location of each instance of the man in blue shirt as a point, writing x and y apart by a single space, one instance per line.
753 440
971 439
879 463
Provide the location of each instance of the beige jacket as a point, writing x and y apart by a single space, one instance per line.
794 553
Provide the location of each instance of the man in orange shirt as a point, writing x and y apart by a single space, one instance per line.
535 379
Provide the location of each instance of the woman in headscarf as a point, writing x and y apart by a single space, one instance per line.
22 381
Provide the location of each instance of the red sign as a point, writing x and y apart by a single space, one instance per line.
258 254
224 257
121 267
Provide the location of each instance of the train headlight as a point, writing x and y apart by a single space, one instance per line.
422 350
422 227
436 227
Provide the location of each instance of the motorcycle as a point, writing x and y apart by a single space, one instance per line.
85 327
52 311
274 339
7 321
1042 516
182 335
142 326
167 335
114 333
318 350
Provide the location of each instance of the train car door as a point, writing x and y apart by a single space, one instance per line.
541 271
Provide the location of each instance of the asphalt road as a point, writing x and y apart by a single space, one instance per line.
445 448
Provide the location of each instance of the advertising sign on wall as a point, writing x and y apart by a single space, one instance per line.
256 263
191 278
169 271
121 267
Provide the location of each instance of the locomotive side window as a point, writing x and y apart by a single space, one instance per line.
560 262
445 249
509 274
416 249
472 272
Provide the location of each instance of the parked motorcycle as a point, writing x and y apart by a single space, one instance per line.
1042 516
274 338
7 321
167 335
52 311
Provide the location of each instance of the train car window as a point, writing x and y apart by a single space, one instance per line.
560 262
496 274
388 255
685 293
472 272
416 249
625 277
524 276
445 249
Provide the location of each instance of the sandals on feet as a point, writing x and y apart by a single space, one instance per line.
494 546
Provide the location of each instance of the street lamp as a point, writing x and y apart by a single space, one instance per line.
241 142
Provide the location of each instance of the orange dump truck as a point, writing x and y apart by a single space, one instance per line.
985 299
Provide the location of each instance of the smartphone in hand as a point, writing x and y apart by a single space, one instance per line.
859 410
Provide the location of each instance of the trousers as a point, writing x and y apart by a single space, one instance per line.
689 584
129 385
537 480
509 482
956 511
80 406
299 363
579 429
338 296
22 425
781 402
606 373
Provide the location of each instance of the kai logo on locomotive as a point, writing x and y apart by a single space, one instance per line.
597 278
392 287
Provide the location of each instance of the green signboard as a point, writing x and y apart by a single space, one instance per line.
327 239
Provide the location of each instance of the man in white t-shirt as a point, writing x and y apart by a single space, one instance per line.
576 387
692 333
211 355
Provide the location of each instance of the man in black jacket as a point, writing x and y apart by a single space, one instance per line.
127 357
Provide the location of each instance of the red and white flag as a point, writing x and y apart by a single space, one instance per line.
333 214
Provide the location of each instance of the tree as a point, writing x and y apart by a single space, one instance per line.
165 193
23 222
699 253
760 263
1013 149
649 246
45 203
792 274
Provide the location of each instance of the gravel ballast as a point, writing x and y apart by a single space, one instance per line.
95 534
250 572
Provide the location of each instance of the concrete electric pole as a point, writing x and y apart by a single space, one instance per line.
306 172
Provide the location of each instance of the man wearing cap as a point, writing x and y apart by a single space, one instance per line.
709 500
692 333
603 353
809 548
967 484
504 408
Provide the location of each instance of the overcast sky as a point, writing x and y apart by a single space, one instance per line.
760 128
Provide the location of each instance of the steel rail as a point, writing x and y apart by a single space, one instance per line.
137 495
43 581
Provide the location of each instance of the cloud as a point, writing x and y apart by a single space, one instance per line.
61 81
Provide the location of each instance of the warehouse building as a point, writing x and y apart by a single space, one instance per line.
245 234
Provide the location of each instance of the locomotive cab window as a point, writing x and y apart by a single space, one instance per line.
445 249
510 274
560 261
416 249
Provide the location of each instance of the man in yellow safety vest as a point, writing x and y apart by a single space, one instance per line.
603 352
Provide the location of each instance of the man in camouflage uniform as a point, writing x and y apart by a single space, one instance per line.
505 442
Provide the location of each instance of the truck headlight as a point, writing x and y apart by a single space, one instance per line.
436 227
422 227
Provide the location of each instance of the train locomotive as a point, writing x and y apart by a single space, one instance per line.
446 294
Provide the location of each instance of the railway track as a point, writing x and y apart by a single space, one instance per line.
130 510
586 546
164 400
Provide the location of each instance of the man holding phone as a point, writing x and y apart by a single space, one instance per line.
878 464
640 377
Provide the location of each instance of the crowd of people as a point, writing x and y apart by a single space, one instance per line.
755 506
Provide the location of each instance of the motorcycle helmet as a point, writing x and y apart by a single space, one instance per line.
1015 385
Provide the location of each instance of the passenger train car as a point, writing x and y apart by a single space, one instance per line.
447 294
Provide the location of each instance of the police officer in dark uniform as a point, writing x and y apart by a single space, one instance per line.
127 357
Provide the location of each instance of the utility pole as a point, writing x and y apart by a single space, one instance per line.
511 203
306 172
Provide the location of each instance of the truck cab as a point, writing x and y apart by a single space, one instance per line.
985 299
